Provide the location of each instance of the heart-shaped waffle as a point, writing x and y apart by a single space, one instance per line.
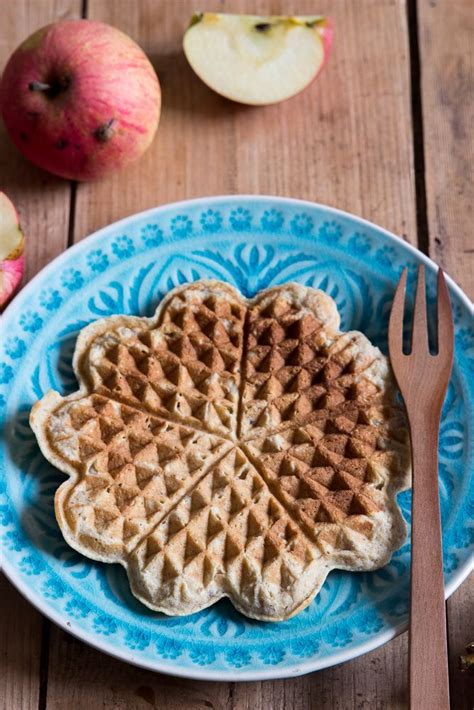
229 447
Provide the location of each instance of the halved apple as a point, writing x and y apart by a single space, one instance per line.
257 60
11 250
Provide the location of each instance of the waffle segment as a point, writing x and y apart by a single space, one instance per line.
127 469
184 367
230 537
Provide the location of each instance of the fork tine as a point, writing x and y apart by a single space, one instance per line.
445 330
420 322
395 325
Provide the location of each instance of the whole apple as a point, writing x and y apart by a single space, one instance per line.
81 99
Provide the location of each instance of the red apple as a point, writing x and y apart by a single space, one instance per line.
79 98
11 250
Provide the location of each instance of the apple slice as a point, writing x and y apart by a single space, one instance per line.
257 60
11 250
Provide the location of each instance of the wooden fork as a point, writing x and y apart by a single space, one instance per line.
423 380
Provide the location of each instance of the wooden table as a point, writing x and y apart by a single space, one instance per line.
384 133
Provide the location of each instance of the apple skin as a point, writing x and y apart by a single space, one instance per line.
12 258
102 109
326 32
11 273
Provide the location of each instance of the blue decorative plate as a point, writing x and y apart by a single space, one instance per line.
251 242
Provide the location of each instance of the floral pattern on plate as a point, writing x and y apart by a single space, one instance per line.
251 243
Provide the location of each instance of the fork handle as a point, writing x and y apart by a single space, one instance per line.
429 678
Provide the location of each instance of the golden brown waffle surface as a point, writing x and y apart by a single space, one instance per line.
229 447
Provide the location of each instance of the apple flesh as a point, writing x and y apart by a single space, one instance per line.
11 250
257 60
79 98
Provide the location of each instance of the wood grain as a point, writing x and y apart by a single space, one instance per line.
446 59
43 204
20 647
461 632
42 200
446 31
346 142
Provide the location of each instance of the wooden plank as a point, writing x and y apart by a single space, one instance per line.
446 58
43 203
20 648
446 63
460 633
345 142
42 200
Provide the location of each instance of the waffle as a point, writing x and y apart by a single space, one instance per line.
228 447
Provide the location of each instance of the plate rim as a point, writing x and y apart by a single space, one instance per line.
202 673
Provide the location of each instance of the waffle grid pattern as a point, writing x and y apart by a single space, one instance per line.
227 448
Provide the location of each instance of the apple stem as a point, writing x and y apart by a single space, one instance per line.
39 86
104 132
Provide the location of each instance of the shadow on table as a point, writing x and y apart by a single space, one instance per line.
183 90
